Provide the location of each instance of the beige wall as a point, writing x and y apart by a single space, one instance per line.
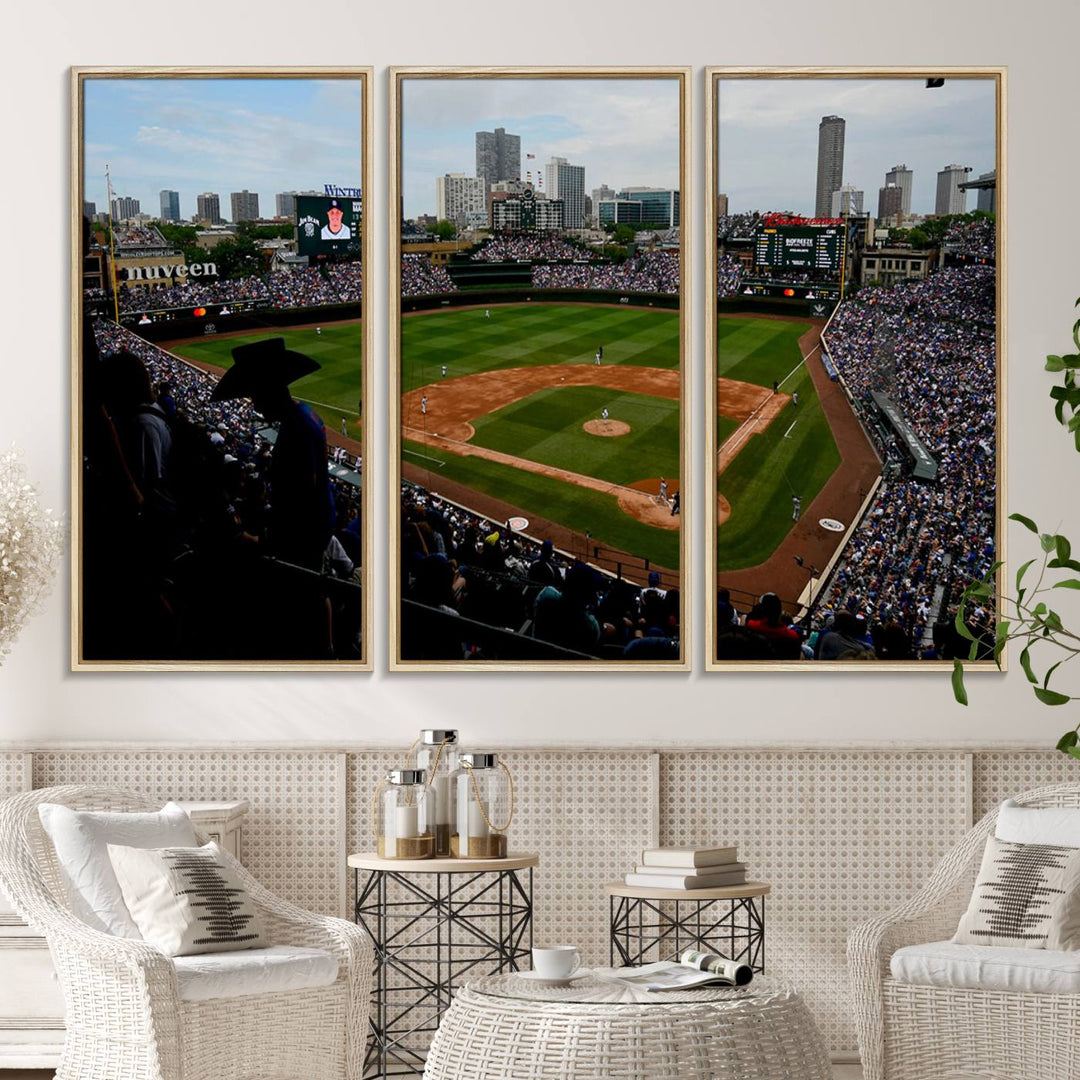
40 700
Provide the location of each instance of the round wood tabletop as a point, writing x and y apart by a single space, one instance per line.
721 892
516 860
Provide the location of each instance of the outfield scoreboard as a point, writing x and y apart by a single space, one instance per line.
328 225
799 247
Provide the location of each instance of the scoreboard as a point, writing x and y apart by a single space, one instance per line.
799 247
328 226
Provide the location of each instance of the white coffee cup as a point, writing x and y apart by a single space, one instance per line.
556 961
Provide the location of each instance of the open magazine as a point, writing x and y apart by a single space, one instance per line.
692 970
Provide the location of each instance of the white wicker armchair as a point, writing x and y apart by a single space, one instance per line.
909 1032
124 1016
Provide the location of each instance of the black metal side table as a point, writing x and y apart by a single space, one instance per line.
729 920
433 922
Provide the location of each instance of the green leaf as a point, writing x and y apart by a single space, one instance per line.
1025 663
1063 564
1002 630
1025 521
959 692
1055 363
1051 697
1053 620
1074 751
961 626
1070 738
1048 541
1050 671
1022 571
1064 548
1068 583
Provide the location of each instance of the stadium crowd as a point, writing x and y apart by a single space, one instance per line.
463 565
541 248
138 236
648 272
728 275
929 345
180 501
421 277
736 226
348 280
303 286
973 239
192 294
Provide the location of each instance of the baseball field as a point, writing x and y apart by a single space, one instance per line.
518 415
770 448
334 389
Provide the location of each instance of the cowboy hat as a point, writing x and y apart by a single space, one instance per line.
259 365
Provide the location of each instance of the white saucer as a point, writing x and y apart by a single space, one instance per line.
544 980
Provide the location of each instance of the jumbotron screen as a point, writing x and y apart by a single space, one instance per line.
328 226
799 247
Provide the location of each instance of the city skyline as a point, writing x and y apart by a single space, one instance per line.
621 131
768 136
221 136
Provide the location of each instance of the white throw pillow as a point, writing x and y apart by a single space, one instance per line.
187 900
80 839
1057 825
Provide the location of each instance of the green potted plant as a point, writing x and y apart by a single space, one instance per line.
1027 615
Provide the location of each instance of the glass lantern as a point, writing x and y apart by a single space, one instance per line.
485 807
437 754
405 816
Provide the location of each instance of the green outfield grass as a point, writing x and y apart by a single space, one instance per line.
527 335
782 461
334 389
548 427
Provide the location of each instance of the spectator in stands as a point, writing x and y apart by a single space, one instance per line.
566 618
767 620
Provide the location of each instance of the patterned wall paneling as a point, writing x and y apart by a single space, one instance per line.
290 839
587 814
13 769
840 835
998 775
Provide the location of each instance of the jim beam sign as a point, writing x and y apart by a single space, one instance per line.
176 271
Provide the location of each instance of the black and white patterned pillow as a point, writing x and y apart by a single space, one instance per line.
186 900
1026 895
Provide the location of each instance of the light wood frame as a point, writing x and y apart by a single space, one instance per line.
79 75
397 77
713 77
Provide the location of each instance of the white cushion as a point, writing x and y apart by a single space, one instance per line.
187 900
1058 825
253 971
81 838
988 967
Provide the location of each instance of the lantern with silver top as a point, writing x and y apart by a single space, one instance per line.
405 812
485 807
437 754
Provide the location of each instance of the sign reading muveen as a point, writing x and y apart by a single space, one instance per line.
170 270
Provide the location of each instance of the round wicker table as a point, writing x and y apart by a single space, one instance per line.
504 1027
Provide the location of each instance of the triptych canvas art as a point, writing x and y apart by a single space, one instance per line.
541 238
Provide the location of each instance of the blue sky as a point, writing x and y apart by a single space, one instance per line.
220 135
768 132
624 131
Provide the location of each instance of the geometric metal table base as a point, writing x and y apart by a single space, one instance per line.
733 926
429 936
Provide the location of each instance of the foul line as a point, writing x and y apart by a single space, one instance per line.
426 457
745 429
788 432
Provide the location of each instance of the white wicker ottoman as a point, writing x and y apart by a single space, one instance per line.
502 1027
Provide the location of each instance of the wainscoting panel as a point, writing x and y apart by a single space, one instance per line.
999 775
291 839
840 835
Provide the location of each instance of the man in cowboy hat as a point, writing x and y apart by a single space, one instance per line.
301 501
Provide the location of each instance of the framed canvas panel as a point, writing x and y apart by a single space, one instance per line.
220 368
538 368
855 348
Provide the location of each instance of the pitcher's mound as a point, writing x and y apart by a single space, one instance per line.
610 428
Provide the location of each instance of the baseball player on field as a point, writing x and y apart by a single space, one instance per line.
662 497
796 507
423 405
604 413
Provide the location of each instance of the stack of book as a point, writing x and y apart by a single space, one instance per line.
694 867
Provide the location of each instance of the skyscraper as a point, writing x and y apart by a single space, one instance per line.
902 177
987 196
951 198
567 182
498 156
830 162
245 205
889 202
170 205
124 207
659 206
89 209
458 195
285 204
847 201
208 207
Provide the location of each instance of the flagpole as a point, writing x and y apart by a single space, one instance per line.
112 247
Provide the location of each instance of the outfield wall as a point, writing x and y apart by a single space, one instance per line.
475 297
264 319
748 305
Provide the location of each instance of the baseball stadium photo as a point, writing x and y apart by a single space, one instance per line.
857 365
221 506
539 371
